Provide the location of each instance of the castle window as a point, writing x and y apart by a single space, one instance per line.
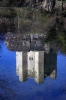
30 58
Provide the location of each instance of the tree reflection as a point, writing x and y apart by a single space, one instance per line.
2 39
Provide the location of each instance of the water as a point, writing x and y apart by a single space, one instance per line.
50 82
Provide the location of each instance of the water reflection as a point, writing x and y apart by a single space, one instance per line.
24 42
50 72
2 39
36 64
33 59
50 63
30 64
24 20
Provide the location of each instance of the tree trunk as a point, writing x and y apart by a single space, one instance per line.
62 5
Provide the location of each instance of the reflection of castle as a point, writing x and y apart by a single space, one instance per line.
22 42
50 64
36 64
30 64
33 59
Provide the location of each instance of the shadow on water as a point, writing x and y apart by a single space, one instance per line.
51 61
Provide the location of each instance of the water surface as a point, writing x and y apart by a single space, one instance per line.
50 82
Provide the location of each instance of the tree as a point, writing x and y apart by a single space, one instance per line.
62 5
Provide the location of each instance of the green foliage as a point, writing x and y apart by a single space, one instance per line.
63 13
12 2
51 34
58 33
62 39
7 12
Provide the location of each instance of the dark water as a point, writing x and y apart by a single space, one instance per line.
52 81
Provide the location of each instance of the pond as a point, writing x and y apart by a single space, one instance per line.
28 72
